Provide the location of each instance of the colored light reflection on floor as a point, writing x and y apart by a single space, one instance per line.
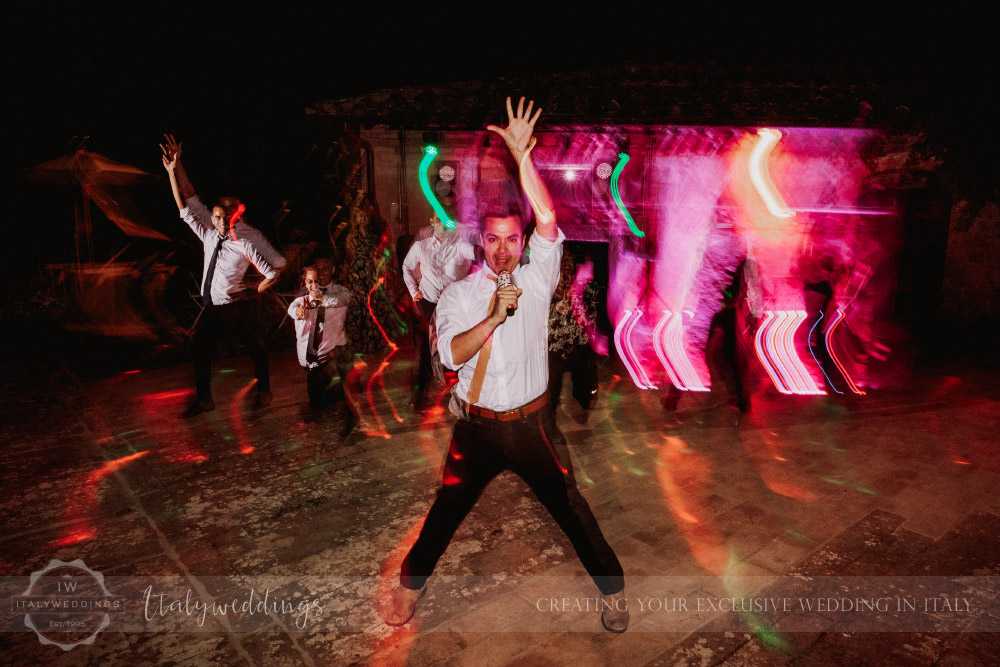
236 417
167 397
83 501
683 478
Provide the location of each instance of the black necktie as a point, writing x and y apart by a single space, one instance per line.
206 288
313 352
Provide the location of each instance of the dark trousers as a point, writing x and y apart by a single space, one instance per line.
223 322
421 341
733 352
582 366
817 301
480 450
325 383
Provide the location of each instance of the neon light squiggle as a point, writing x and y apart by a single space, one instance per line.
661 352
822 370
800 377
628 344
668 340
773 343
372 313
623 160
760 177
625 352
775 346
429 154
762 353
833 355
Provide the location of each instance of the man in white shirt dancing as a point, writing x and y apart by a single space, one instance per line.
321 343
230 247
432 264
496 338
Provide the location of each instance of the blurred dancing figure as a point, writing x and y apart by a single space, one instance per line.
432 264
572 327
230 247
492 330
718 285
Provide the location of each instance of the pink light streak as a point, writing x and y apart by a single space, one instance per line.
760 177
788 359
628 343
626 353
775 346
833 355
765 361
662 354
669 345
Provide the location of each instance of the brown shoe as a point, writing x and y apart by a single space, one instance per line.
615 614
402 604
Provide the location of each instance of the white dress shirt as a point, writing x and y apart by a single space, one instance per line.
518 368
332 330
237 254
440 264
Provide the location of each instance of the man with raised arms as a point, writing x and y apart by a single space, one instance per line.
492 329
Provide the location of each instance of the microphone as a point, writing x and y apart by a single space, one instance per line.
504 279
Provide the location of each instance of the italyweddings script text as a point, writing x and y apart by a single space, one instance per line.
159 605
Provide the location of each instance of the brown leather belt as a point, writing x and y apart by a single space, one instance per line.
508 415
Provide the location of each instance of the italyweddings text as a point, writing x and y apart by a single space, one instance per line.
159 605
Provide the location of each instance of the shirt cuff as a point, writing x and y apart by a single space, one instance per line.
444 352
539 242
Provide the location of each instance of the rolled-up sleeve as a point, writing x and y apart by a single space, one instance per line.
263 246
339 297
410 262
258 261
452 319
542 272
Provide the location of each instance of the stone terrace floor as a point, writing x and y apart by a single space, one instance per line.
896 483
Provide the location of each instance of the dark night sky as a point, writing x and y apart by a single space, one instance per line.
122 75
233 84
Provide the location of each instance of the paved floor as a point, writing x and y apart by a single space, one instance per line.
891 496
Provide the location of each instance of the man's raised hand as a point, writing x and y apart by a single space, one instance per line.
517 134
172 148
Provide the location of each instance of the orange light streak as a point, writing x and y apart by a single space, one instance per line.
236 415
84 500
838 318
683 475
761 178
